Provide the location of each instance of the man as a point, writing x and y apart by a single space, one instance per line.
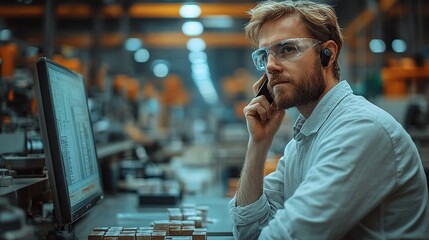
351 171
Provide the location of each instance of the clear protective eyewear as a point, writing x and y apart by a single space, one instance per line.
286 50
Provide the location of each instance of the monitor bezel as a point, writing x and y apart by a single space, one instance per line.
63 213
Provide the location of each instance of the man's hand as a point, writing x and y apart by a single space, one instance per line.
263 119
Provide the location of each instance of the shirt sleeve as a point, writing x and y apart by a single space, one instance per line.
249 220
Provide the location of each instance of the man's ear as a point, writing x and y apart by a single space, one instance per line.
329 52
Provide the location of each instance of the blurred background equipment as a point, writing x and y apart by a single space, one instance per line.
6 178
13 223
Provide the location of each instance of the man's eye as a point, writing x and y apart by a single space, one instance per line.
286 49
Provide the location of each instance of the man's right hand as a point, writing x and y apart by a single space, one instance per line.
263 119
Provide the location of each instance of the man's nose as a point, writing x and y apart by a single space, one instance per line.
272 61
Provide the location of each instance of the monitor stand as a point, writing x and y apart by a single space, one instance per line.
65 232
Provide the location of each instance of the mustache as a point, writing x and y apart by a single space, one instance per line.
277 78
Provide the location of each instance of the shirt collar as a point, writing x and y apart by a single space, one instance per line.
305 127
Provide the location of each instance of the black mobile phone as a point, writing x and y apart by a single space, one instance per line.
263 90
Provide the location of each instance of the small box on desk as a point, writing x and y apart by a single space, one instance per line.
159 192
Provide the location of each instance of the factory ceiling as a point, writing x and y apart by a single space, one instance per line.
96 32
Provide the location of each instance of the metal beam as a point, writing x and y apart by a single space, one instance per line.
136 10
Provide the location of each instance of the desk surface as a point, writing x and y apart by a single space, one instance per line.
123 210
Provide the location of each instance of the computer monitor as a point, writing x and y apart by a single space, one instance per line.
70 152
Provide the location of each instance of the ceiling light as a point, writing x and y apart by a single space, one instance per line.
192 28
197 57
399 45
160 68
196 44
201 76
190 10
141 55
5 35
377 46
133 44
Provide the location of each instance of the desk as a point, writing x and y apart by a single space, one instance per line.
122 210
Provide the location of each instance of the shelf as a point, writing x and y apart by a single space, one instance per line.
20 184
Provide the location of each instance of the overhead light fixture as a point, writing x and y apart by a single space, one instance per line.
196 44
399 45
197 57
190 10
5 35
142 55
202 78
192 28
377 46
133 44
160 68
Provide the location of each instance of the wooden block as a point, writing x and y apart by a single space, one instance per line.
199 235
143 235
175 223
95 235
127 236
175 231
187 230
198 221
111 235
145 229
111 238
100 229
116 228
158 235
175 216
161 224
129 229
188 223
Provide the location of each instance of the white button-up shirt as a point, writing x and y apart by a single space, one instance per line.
350 172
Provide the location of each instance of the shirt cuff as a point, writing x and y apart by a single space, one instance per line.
249 213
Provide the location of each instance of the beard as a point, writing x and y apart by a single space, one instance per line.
300 92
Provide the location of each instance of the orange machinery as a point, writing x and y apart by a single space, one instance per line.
405 77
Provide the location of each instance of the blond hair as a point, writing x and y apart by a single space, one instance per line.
320 20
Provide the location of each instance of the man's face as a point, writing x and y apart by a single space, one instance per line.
297 82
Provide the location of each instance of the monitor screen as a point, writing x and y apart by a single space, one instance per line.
69 146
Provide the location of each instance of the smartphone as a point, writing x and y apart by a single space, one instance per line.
263 90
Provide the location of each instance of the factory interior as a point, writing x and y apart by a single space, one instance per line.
166 83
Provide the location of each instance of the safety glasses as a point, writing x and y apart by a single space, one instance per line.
286 50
